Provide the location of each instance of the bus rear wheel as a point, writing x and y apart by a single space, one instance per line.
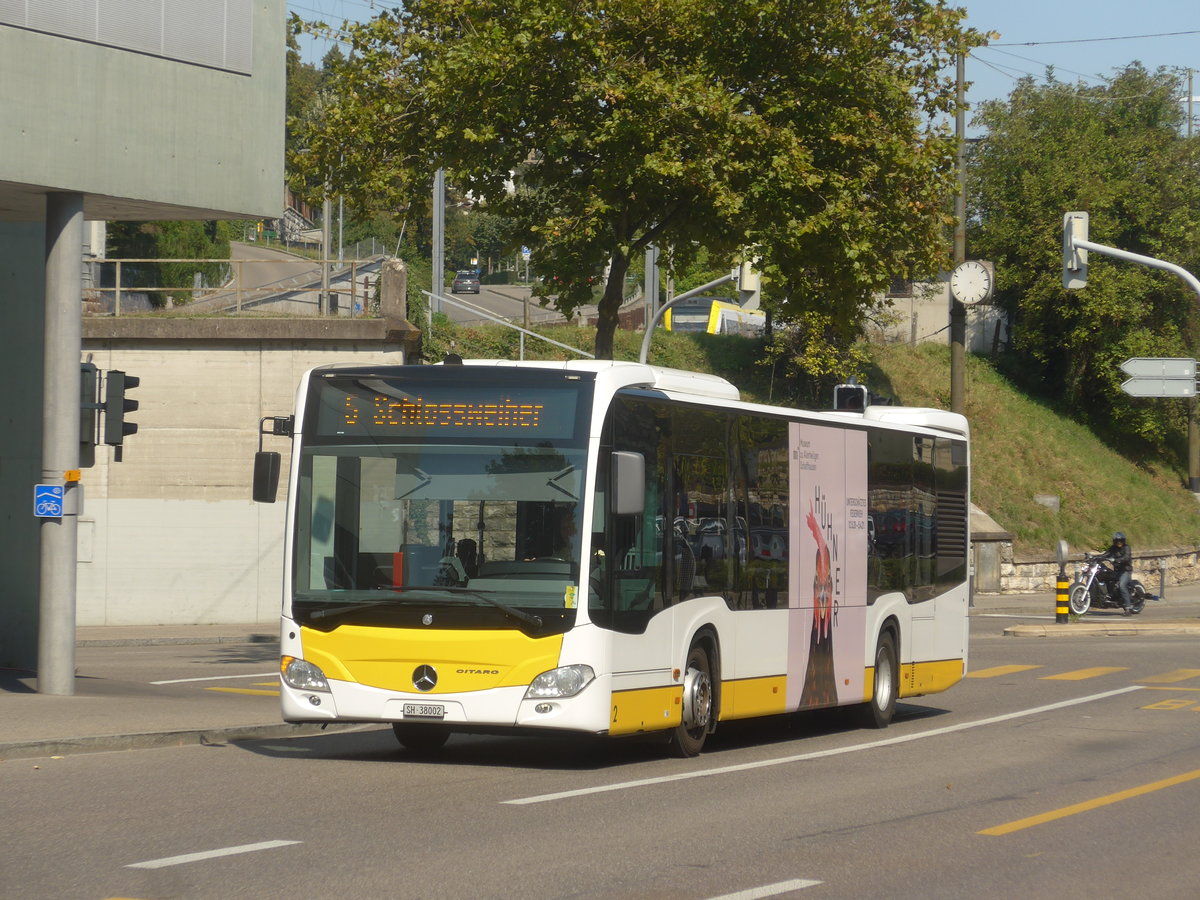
878 711
421 739
688 736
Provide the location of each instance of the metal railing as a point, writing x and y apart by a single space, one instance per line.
350 291
470 307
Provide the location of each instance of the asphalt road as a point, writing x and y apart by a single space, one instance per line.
1062 768
503 301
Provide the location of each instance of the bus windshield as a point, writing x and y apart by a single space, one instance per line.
397 514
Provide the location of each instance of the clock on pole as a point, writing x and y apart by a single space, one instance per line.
971 282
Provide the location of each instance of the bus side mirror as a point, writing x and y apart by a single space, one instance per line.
266 476
628 483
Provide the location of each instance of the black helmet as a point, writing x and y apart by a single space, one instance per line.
1119 536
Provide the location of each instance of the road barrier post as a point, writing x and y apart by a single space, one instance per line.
1061 607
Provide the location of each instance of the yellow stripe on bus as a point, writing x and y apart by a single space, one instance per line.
747 697
924 677
646 709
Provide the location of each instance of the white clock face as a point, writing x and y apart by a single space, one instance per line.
971 282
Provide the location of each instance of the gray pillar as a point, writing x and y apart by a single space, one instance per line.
60 440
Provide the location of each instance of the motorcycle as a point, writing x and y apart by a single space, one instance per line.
1095 587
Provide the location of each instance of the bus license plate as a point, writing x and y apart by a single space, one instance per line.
424 711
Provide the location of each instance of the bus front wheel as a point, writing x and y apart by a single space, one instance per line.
878 711
688 736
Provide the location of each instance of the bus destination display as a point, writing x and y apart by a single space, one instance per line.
374 407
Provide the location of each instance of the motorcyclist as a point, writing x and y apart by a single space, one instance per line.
1121 558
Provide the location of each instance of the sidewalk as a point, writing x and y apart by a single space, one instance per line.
163 686
153 686
1033 615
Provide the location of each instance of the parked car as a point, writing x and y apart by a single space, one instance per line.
465 284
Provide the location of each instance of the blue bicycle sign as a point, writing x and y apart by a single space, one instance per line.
48 501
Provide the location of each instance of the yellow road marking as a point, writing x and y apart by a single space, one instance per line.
1087 805
1081 674
244 691
1172 677
1172 703
1172 689
274 683
1000 670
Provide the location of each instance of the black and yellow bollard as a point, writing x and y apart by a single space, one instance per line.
1062 607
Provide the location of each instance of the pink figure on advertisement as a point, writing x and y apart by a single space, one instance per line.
820 683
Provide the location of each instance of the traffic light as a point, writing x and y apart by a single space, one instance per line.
116 405
89 397
1075 228
851 397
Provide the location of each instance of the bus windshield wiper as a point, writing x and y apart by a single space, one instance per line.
511 611
520 615
329 611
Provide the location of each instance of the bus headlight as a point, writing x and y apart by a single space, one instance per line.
563 682
302 675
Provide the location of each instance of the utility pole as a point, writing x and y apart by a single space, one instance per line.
439 239
323 305
1191 72
651 289
958 312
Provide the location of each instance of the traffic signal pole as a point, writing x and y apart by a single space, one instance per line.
1075 247
62 338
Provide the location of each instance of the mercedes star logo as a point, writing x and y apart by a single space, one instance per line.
424 678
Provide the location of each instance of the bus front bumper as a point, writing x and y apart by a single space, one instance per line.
506 707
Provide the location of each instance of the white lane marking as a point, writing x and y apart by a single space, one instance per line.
208 854
1008 616
769 890
215 678
819 754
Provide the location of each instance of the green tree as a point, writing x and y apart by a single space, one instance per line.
804 133
186 240
1116 152
303 83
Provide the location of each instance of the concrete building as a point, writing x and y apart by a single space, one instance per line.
121 109
920 312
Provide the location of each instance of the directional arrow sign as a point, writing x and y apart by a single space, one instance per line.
1160 367
1160 387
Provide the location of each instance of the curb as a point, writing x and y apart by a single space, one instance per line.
1093 629
106 743
161 641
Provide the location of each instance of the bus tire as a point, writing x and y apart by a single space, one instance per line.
421 739
878 711
688 736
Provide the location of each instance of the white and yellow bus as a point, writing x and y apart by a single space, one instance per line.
610 548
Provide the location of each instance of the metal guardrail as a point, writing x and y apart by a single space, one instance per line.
234 297
470 307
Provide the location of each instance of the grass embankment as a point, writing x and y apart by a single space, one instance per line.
1021 447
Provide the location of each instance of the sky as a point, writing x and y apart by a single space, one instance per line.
1082 41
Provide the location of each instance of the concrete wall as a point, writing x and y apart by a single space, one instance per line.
925 317
169 534
136 133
